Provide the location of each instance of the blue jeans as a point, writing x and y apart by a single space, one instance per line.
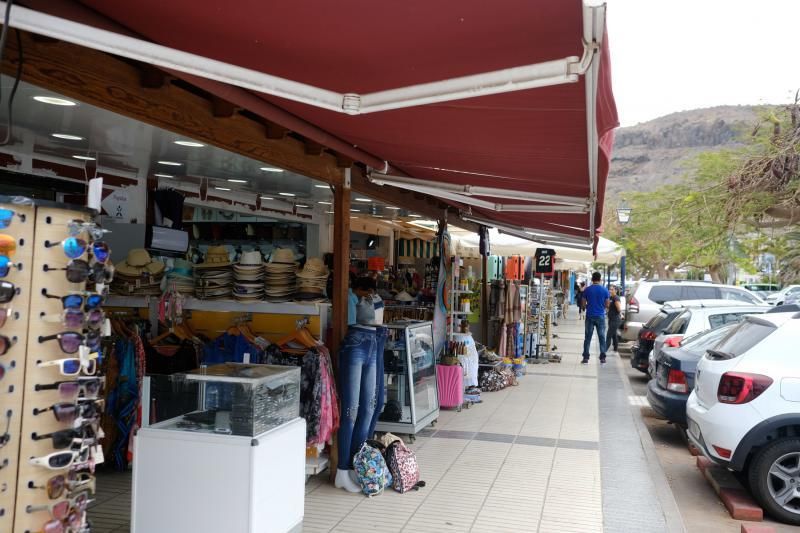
357 382
594 323
380 393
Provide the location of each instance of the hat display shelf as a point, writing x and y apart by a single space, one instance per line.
50 227
16 329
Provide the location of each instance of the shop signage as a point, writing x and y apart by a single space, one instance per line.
117 205
545 260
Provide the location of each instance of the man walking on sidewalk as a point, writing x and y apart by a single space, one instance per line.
596 299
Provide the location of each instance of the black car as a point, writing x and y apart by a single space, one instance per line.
647 336
673 381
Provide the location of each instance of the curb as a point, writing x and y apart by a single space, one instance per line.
756 528
736 500
672 513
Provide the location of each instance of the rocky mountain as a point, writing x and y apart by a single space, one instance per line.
659 151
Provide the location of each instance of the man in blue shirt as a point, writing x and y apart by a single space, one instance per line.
596 299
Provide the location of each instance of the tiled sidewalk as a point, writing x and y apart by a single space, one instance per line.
526 459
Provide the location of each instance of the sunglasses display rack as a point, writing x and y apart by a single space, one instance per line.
34 511
14 331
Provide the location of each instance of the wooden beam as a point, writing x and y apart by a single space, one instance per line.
222 108
151 78
343 161
313 148
105 81
485 300
275 131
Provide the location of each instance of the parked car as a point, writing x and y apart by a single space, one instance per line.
792 298
744 411
673 377
647 336
779 298
762 287
649 296
705 315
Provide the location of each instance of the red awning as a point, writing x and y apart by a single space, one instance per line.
531 141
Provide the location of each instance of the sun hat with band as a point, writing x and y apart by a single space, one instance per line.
216 257
282 255
139 264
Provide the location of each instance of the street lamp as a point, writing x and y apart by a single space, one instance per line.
623 216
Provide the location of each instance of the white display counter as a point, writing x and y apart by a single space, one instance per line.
201 482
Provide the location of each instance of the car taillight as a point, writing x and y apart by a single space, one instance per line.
676 382
674 341
740 387
649 335
633 305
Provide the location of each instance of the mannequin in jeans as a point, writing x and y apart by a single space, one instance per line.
358 379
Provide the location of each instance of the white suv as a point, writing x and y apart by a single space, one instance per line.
744 412
648 297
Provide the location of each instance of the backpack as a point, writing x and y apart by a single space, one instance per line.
403 467
370 468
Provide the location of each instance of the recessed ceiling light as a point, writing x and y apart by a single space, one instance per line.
271 169
353 217
191 144
302 205
170 163
232 180
52 100
322 186
393 208
267 198
329 212
415 216
378 216
83 157
325 203
222 188
287 194
355 211
363 200
66 136
163 175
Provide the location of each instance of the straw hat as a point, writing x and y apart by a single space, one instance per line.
282 255
139 264
216 257
181 268
250 259
314 268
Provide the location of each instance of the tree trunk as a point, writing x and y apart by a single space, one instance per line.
715 271
661 270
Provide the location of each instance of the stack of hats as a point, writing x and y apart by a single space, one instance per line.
213 279
180 278
312 280
248 276
138 275
281 279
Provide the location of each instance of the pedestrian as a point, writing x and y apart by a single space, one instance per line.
614 319
596 300
581 302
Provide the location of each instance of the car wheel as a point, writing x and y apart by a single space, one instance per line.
774 477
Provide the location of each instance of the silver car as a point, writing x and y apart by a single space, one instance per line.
648 297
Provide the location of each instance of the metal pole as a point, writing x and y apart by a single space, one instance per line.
622 273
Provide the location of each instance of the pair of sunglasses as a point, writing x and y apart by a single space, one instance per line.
74 248
76 227
4 369
6 344
6 265
72 366
71 525
5 314
7 217
75 301
88 387
61 510
71 341
7 292
77 319
57 485
70 412
79 271
8 245
66 438
61 460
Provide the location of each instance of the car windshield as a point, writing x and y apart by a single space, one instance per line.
741 338
680 324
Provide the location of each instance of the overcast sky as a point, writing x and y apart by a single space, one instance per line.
673 55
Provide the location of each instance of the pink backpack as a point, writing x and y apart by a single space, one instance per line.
403 466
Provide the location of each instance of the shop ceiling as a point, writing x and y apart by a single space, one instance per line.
548 140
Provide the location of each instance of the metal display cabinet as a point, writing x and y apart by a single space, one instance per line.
411 394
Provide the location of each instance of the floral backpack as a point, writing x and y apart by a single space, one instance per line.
371 470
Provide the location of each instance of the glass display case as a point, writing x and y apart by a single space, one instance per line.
235 399
411 400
